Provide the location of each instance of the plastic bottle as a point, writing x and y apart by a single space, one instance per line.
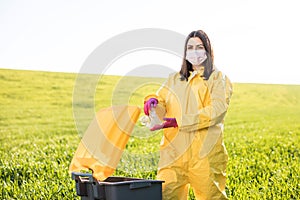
154 119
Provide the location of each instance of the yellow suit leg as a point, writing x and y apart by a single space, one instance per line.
175 186
207 175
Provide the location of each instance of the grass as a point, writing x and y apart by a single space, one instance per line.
38 134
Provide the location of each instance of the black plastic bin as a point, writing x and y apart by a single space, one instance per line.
117 188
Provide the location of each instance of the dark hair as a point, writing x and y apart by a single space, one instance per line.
186 66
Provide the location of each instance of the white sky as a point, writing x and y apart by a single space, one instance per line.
254 40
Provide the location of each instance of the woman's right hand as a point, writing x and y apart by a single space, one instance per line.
147 105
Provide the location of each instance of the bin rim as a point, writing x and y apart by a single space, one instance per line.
128 181
123 180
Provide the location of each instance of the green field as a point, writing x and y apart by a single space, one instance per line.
38 135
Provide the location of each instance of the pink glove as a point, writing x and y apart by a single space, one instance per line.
169 122
147 105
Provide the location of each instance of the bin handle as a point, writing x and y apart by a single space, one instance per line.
77 175
137 185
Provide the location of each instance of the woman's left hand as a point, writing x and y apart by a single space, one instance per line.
169 122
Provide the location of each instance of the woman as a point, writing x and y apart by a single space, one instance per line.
194 103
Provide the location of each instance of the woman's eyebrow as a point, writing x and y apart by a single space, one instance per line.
200 44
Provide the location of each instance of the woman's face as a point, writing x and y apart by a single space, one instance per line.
194 43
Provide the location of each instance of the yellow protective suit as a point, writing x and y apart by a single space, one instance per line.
102 145
194 153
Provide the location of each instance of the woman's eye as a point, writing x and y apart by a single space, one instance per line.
200 47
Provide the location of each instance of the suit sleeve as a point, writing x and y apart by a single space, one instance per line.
213 114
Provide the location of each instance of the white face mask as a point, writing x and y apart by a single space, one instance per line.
196 57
